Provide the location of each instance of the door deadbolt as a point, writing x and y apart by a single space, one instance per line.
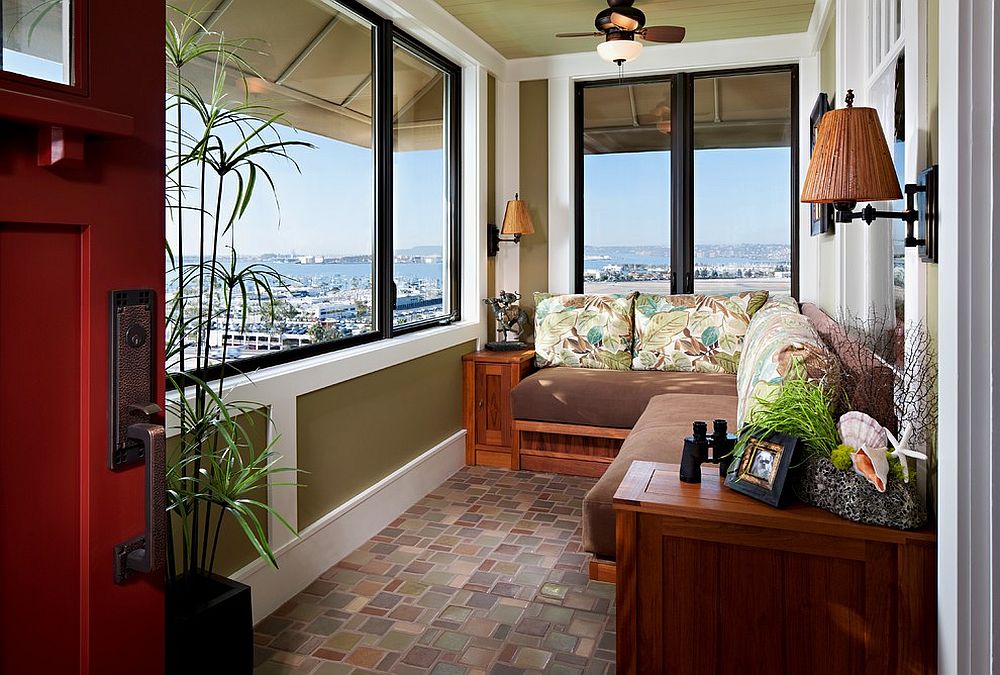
135 336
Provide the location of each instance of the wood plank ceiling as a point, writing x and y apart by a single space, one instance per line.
523 28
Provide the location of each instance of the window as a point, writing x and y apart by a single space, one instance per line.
35 38
688 183
626 144
335 125
423 188
744 196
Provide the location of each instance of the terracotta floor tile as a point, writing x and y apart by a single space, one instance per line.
485 575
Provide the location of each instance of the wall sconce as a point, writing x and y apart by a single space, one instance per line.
851 163
516 221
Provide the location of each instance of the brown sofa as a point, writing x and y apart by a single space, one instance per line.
653 411
658 436
597 422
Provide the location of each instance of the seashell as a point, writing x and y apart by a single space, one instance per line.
860 430
873 465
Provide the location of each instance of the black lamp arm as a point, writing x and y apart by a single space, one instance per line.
494 238
845 213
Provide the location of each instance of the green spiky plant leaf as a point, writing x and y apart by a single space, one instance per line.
800 408
219 147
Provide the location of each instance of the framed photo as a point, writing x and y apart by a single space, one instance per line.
762 469
821 215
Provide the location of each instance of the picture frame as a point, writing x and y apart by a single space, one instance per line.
761 471
820 215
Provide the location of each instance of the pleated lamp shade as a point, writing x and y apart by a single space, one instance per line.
516 219
851 160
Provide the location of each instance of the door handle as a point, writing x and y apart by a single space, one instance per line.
145 554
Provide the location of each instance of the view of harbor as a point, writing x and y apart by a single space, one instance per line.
719 268
320 298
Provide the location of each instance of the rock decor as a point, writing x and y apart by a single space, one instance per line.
850 495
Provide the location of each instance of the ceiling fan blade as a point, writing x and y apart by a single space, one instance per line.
590 34
663 33
624 22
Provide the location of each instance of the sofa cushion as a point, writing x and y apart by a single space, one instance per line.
780 341
701 333
605 398
658 436
584 331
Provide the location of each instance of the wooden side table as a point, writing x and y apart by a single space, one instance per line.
487 379
710 581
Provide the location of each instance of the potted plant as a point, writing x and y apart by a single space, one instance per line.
218 147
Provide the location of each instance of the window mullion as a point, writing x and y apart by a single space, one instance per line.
682 188
382 81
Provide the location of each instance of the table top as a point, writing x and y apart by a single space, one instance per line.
652 487
490 356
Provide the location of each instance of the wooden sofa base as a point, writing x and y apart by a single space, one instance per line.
603 570
572 449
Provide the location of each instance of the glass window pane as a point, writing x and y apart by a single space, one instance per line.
308 227
742 183
35 39
626 188
422 200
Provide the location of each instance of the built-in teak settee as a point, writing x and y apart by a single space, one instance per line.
666 361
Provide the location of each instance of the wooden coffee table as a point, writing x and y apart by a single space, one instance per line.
711 581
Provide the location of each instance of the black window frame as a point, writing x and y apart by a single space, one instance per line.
682 168
384 35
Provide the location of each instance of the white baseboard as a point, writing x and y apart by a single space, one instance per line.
330 539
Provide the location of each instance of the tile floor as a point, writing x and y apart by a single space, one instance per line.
484 575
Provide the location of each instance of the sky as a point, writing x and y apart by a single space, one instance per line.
325 207
740 195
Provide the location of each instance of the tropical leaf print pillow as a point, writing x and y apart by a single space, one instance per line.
584 331
701 333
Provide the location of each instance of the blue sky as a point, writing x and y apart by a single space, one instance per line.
327 207
740 196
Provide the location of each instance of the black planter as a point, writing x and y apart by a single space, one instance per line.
209 626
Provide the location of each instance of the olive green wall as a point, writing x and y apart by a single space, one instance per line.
826 254
353 434
828 60
534 187
933 97
234 550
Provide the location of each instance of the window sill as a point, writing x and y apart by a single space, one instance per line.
270 385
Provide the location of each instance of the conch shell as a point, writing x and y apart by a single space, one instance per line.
858 429
873 465
861 431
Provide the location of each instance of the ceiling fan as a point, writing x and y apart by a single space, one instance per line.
619 25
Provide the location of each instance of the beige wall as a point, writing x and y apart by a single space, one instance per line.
491 189
355 433
534 187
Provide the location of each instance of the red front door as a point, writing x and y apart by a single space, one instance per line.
81 214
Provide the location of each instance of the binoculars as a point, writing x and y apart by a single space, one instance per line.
697 446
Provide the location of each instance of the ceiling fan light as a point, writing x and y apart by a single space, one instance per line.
624 51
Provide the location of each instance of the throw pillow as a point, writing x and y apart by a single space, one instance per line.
702 333
584 331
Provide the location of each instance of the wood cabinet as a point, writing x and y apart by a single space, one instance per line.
710 581
488 378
